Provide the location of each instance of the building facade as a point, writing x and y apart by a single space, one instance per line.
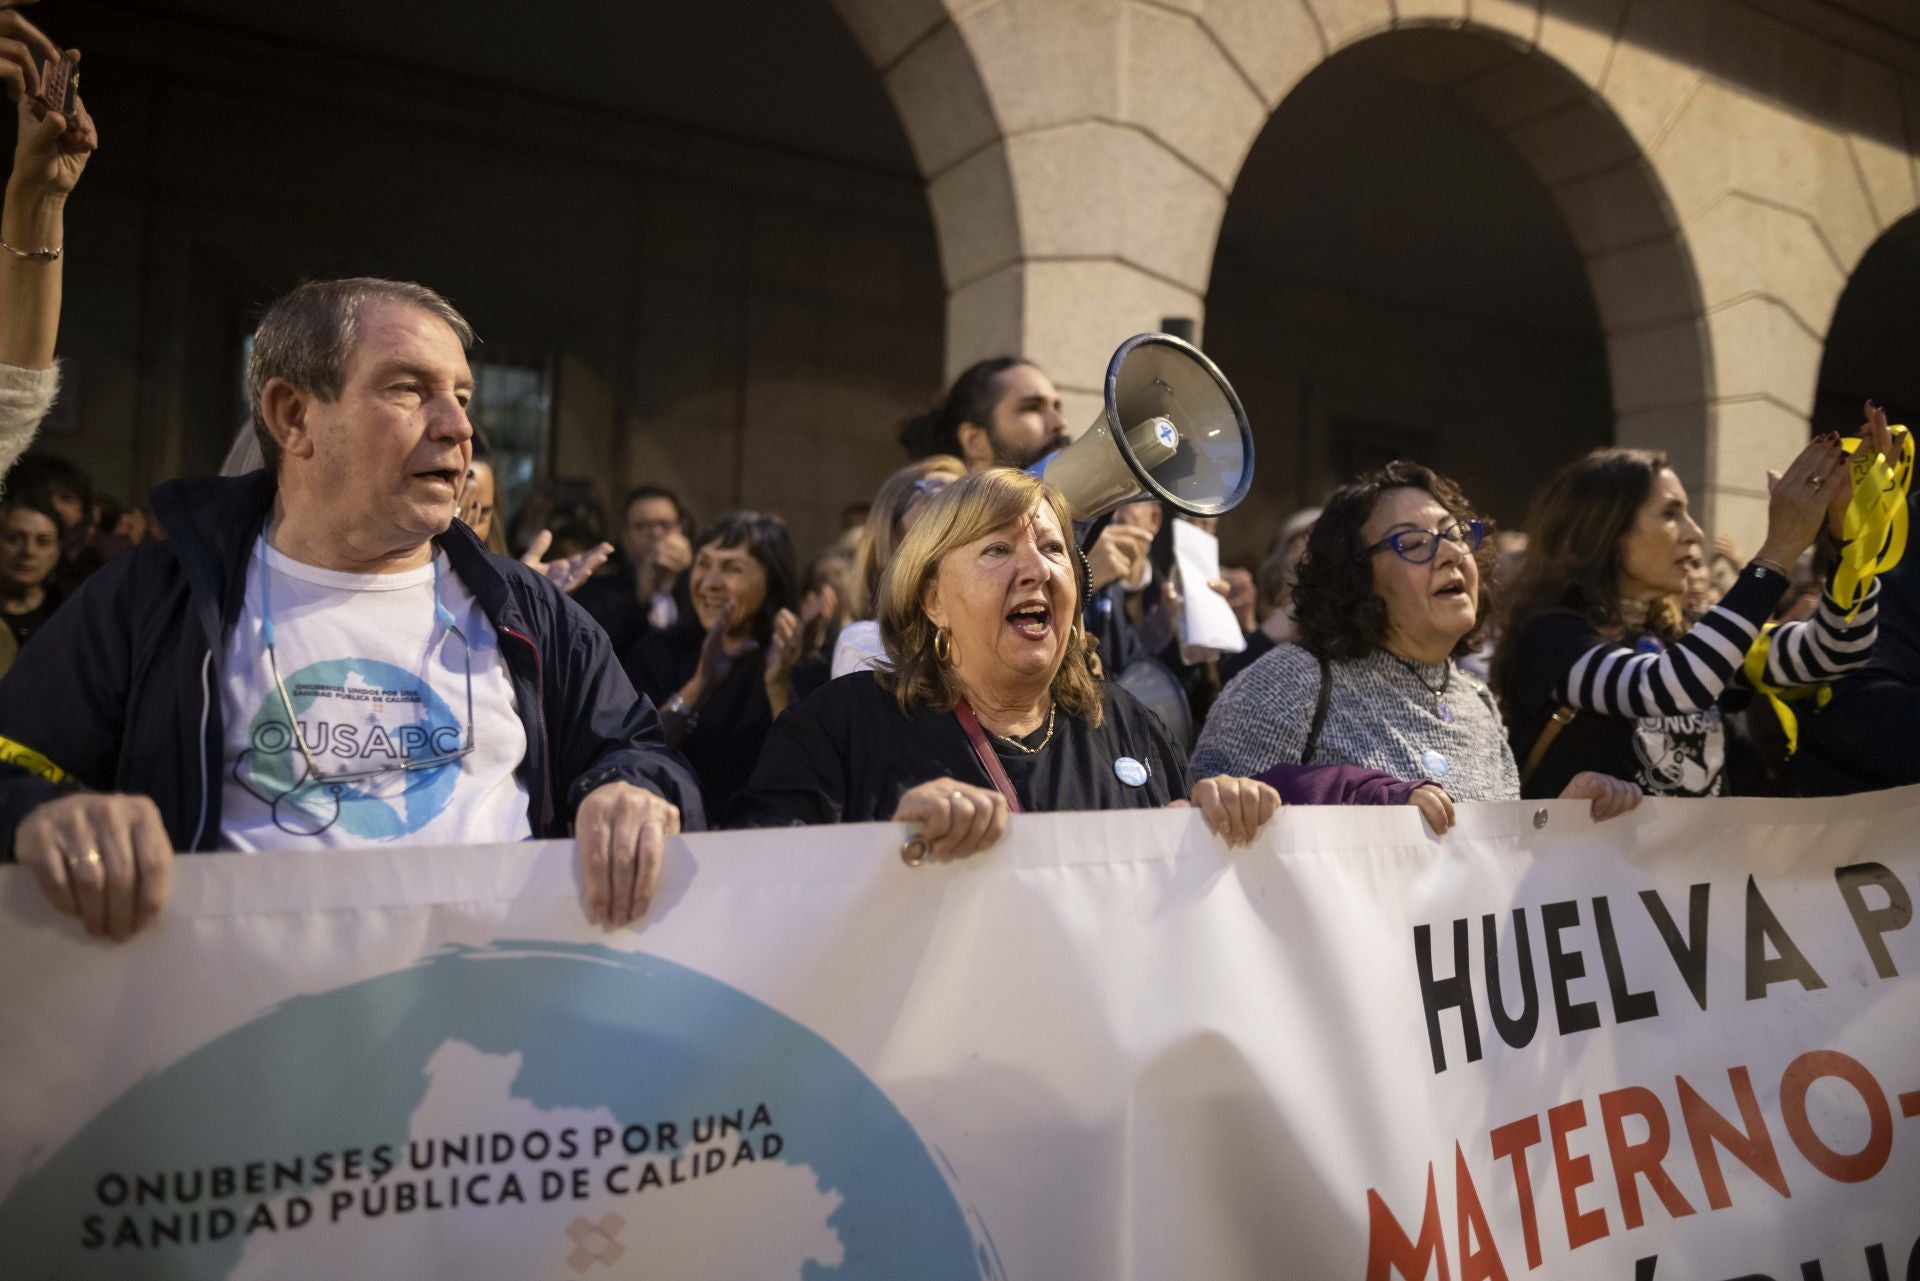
1720 168
1493 232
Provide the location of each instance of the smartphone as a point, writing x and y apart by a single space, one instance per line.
59 83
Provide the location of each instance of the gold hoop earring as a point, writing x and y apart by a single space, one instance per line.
942 646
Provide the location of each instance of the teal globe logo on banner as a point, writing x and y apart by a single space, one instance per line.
525 1110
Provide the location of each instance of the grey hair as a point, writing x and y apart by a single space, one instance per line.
307 336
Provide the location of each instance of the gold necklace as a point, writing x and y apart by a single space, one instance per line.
1019 746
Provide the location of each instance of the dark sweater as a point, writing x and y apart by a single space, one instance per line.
848 753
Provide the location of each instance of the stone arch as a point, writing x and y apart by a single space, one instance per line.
1720 168
949 112
1610 200
1589 188
1080 156
1868 351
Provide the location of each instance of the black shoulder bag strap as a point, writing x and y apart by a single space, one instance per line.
1319 712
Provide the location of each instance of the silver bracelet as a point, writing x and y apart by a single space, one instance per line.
38 255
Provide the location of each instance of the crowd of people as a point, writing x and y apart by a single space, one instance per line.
334 644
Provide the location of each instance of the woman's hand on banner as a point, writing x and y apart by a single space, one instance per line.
1611 796
104 858
954 819
1235 808
621 832
1434 805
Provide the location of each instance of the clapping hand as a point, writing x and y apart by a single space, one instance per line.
567 572
671 555
1801 500
789 637
1876 441
715 661
1876 437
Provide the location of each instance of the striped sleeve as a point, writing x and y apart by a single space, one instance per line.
1825 646
1691 674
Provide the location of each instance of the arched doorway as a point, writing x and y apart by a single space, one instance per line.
1871 343
693 283
1406 268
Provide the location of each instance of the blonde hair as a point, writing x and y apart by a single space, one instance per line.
966 510
880 535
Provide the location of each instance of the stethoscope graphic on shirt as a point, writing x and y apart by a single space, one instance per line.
280 765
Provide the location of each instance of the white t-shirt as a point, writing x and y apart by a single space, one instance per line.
859 648
375 679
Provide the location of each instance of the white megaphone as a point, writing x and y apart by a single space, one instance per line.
1172 430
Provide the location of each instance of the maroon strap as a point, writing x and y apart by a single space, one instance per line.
989 760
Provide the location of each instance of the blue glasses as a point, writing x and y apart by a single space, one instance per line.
1419 546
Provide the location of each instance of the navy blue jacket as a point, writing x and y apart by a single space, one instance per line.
120 691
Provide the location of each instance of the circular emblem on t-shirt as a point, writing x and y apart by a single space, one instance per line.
355 716
1434 763
1131 772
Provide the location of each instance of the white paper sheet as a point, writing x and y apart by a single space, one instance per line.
1210 622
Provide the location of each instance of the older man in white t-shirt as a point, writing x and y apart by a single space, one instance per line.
320 655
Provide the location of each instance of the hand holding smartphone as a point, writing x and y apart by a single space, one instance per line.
59 84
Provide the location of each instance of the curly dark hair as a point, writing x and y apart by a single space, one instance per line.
1339 614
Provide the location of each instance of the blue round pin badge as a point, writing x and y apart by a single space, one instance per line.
1435 763
1131 772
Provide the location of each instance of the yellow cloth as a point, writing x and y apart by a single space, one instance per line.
1876 538
1779 696
1876 524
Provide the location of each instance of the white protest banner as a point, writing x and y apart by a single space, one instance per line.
1682 1044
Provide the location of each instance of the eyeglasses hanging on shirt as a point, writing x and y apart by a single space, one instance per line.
315 777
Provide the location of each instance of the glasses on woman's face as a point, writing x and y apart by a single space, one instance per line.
1419 546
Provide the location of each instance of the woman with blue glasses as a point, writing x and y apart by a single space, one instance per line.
1391 591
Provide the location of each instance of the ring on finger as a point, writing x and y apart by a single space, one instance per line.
1816 481
91 856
